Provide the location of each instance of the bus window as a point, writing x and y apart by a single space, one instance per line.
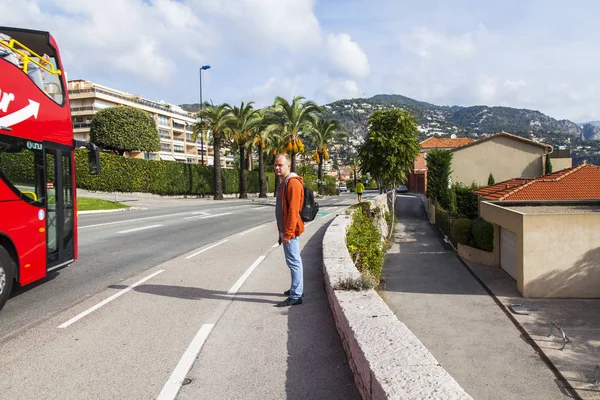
41 69
22 168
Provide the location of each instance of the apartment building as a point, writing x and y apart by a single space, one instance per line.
174 123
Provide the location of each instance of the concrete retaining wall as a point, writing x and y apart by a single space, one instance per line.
387 360
476 255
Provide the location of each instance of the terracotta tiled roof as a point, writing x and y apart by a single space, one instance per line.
577 183
444 143
505 134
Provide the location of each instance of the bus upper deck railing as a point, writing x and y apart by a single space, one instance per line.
29 55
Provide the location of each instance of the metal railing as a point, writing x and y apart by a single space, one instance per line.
562 332
133 99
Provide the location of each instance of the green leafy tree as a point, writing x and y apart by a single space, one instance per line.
324 133
548 164
291 121
125 128
439 169
491 180
214 119
245 120
390 148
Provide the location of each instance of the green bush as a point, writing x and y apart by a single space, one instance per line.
461 231
483 234
364 242
466 202
120 174
441 220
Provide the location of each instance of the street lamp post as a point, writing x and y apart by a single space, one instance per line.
204 67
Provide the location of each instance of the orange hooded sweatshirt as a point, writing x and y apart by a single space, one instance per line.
292 204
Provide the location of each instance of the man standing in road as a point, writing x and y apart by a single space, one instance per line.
290 196
359 190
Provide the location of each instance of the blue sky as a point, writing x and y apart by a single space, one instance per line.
541 55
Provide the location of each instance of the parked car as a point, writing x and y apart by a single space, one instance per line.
401 189
342 187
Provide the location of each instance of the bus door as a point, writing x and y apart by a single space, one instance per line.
60 220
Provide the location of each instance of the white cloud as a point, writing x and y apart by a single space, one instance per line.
340 89
346 56
428 43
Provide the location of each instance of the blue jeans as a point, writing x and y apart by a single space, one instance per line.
294 262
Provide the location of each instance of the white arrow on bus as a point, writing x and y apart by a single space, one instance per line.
21 115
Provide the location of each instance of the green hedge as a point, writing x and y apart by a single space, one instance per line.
466 201
461 231
364 242
483 234
441 220
120 174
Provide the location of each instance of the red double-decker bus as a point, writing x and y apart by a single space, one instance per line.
38 219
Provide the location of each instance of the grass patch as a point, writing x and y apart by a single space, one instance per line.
88 204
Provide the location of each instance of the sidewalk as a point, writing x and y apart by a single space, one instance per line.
431 291
579 318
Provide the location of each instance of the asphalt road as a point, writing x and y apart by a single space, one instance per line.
109 251
177 302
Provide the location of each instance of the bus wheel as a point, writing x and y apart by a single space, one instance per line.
7 275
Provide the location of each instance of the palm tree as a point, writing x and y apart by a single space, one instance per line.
293 120
241 130
214 119
263 140
324 133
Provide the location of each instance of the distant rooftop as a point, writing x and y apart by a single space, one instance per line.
444 143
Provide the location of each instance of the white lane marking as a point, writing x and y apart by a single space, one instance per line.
428 252
200 212
133 220
215 215
308 224
275 245
207 248
207 216
253 229
108 300
140 229
258 208
243 278
173 385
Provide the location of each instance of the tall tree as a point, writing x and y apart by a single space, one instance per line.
291 121
214 119
439 169
390 149
245 119
324 133
262 141
548 165
126 128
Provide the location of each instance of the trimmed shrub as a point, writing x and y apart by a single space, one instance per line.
441 220
466 201
483 234
364 242
461 231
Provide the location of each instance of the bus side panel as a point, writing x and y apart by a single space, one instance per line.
6 195
28 233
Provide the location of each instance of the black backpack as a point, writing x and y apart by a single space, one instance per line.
310 207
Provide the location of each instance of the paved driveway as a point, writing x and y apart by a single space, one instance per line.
432 292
